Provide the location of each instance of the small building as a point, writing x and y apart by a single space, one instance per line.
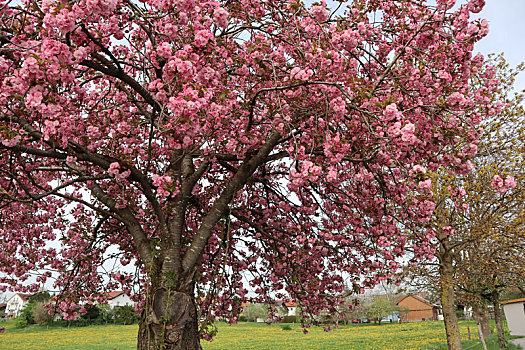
119 298
291 308
16 303
515 314
413 308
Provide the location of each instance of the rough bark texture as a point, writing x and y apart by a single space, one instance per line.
497 316
169 322
447 302
481 315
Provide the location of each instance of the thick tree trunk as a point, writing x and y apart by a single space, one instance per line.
169 322
497 316
481 315
447 302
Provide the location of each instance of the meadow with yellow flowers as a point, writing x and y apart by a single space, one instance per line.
418 336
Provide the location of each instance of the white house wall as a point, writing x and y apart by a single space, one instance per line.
14 305
515 314
121 300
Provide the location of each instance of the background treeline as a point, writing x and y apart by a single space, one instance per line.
35 313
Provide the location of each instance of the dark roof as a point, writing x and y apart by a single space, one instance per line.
24 296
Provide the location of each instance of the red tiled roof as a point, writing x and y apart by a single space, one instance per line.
421 299
114 294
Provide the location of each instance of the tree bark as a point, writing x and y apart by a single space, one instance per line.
497 316
481 315
447 303
169 321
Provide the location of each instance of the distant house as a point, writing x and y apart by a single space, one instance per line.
515 314
119 298
16 303
291 307
413 308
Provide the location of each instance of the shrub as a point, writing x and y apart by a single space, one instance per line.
126 315
92 312
40 314
21 322
289 319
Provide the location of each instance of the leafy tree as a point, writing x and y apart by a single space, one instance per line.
207 140
106 313
478 223
26 316
41 313
381 307
252 311
125 314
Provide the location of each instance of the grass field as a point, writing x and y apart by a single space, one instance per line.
417 336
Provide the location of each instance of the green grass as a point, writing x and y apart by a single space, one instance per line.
420 336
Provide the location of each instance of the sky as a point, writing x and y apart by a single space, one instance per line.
506 32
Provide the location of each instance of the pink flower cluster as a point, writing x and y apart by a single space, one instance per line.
319 12
164 50
447 230
309 172
221 17
501 185
202 37
161 182
114 170
301 74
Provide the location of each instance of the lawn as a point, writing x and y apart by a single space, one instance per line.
423 335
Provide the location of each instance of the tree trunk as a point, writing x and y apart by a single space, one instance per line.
169 322
481 315
497 316
447 302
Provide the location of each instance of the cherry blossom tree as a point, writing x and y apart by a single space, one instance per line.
213 141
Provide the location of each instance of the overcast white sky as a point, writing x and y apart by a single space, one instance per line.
506 32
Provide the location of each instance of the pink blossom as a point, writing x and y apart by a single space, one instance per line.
319 13
202 37
114 169
221 17
10 142
456 99
447 230
510 182
164 50
80 53
419 169
332 174
426 184
407 133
